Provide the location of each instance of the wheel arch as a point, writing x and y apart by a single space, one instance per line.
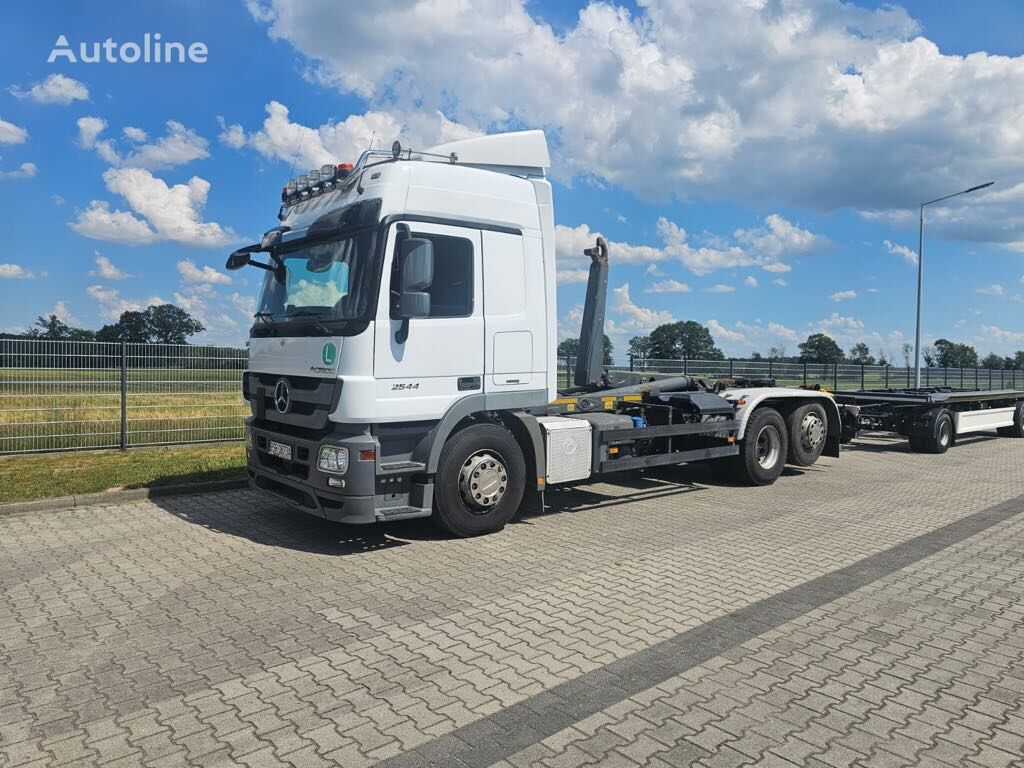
784 402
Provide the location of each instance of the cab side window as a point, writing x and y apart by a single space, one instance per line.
451 294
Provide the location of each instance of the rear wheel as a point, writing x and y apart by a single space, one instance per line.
941 437
808 429
480 480
763 452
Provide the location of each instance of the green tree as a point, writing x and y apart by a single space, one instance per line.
930 355
861 354
169 324
53 328
684 339
1018 360
820 348
755 355
908 352
569 348
994 361
640 346
950 354
609 348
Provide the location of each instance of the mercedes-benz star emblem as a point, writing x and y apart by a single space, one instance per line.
282 396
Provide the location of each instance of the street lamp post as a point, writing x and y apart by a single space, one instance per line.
920 274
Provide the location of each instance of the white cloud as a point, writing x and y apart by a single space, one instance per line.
55 89
132 133
750 281
907 254
720 288
179 145
756 247
23 171
780 282
11 133
167 212
720 331
843 295
990 290
569 276
100 223
281 139
106 270
667 286
89 128
63 313
57 200
766 101
1002 336
15 272
111 303
637 318
190 273
244 305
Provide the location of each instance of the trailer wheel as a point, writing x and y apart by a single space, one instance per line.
479 482
808 428
762 455
1017 430
942 435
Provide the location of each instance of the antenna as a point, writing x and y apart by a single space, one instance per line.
372 137
295 157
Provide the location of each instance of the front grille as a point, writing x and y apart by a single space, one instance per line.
298 467
312 399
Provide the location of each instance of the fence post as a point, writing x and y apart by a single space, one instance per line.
630 362
771 369
730 368
805 373
835 377
961 378
862 375
124 396
685 371
886 375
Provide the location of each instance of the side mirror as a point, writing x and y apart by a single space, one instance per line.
416 265
240 258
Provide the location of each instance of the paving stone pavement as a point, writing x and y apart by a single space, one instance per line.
866 611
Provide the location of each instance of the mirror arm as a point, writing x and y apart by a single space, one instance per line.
403 331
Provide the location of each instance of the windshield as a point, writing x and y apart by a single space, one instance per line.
323 282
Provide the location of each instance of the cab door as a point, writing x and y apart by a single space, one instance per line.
441 359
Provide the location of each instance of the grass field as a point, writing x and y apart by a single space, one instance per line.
63 474
59 408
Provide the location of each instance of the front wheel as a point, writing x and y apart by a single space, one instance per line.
763 452
479 482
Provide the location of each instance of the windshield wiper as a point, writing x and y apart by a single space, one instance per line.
314 318
265 318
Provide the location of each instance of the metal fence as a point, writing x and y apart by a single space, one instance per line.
841 376
67 395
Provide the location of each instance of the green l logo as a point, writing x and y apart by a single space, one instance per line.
329 353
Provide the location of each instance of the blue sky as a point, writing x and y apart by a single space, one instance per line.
756 169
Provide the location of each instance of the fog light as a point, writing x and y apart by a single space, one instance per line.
332 459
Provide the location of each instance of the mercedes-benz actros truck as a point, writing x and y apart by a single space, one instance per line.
402 362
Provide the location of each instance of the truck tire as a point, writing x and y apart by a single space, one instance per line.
916 444
808 429
942 434
1017 430
479 482
763 452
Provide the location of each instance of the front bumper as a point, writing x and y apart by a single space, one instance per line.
299 483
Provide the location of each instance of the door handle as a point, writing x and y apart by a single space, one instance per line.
468 382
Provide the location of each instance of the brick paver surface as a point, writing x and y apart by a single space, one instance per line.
866 611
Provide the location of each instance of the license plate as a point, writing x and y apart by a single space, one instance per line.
281 450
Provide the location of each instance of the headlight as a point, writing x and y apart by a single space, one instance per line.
332 459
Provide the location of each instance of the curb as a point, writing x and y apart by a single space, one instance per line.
116 497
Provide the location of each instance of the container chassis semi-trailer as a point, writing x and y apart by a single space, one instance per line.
932 418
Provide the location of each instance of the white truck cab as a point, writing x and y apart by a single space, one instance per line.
402 362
